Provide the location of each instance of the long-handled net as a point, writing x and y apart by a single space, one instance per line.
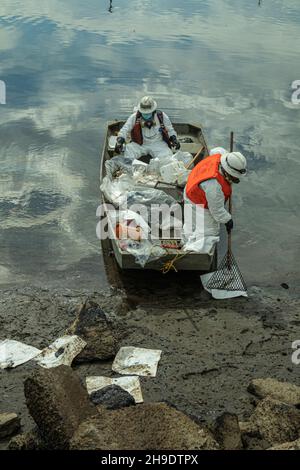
228 276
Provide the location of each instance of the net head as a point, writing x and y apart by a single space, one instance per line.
228 276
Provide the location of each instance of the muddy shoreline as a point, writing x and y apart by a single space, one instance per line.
211 349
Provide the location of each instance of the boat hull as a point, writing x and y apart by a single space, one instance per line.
188 262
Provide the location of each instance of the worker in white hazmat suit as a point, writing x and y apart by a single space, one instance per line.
208 187
151 132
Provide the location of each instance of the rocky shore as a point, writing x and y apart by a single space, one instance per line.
226 372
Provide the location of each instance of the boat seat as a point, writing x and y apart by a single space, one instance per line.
191 148
189 143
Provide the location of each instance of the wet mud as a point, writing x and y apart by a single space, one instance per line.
210 349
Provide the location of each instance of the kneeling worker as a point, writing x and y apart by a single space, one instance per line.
209 186
151 132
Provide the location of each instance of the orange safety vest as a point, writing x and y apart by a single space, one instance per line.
205 170
137 133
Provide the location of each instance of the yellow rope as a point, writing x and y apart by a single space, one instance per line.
168 265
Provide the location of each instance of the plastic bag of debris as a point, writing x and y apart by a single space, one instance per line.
144 174
201 244
139 168
154 166
115 190
174 171
133 232
117 166
183 177
144 251
152 204
184 157
169 172
147 197
126 223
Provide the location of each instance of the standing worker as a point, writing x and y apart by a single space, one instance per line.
151 132
208 187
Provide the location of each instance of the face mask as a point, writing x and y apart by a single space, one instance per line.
229 178
147 116
233 179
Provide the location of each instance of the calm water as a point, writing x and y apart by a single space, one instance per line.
69 66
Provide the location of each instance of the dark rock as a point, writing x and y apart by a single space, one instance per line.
227 432
100 334
254 443
294 445
141 427
9 424
249 428
285 286
277 422
251 437
112 397
58 403
31 440
282 391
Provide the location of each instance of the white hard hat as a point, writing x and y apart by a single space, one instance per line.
216 150
234 164
147 105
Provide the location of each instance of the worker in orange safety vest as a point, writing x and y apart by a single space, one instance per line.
208 187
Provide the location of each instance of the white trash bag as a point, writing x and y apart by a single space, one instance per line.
14 353
144 251
117 166
61 352
184 157
137 361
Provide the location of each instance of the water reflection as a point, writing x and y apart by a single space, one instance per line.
70 66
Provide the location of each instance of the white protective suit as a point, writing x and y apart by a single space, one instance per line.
201 235
153 143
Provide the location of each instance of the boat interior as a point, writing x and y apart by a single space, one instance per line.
192 140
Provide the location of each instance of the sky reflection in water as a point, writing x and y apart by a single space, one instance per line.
70 66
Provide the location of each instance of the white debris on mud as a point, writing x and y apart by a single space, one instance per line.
130 384
211 349
62 351
14 353
137 361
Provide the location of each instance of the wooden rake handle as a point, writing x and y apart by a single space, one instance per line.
230 208
229 234
194 158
